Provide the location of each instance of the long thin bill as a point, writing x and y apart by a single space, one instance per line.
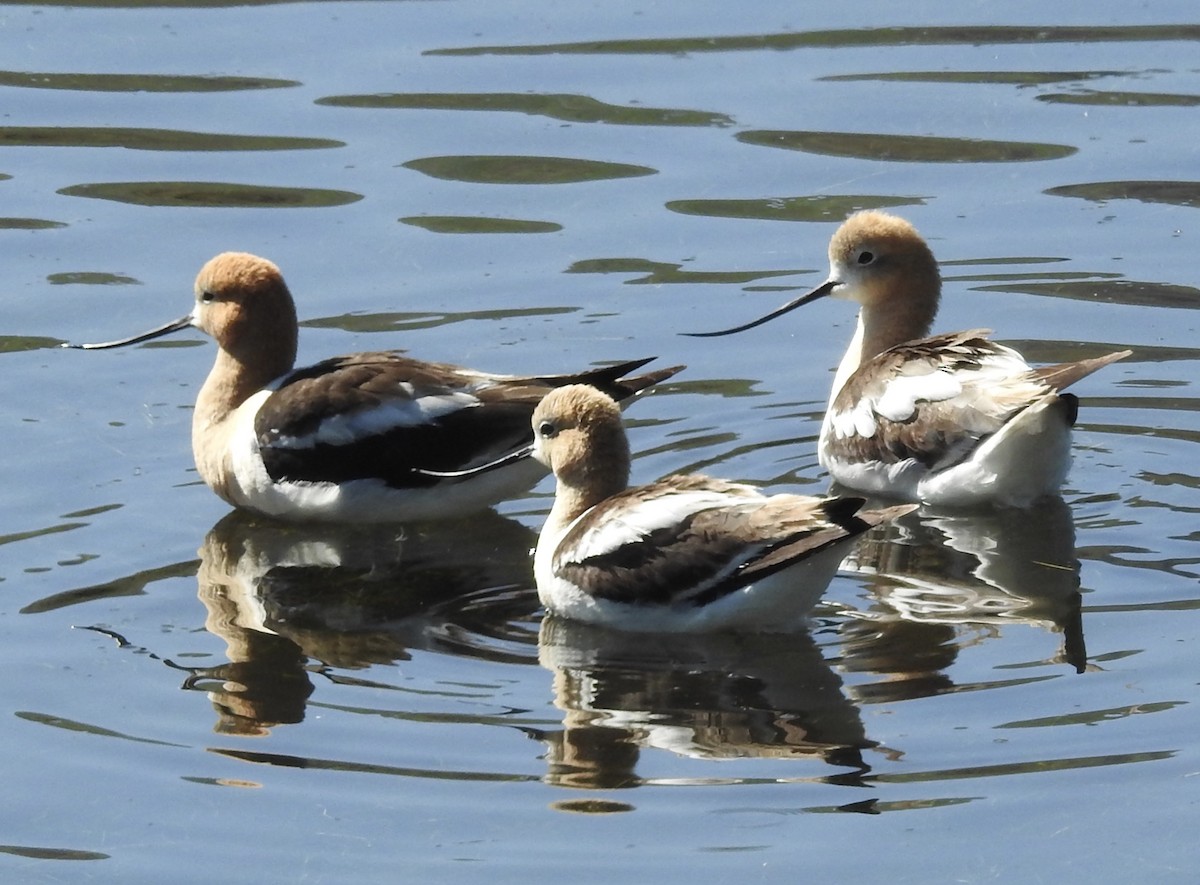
820 292
503 461
165 329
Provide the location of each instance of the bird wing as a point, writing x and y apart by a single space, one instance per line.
389 417
931 400
690 540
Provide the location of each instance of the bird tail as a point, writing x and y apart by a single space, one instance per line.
616 380
1063 375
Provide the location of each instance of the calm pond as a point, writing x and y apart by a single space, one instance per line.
194 696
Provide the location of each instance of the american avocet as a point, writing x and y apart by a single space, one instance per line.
953 420
354 438
683 553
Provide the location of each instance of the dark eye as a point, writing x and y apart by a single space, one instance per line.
866 257
547 430
208 296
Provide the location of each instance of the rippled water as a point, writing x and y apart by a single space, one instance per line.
194 696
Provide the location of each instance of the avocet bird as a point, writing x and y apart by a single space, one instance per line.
354 438
682 553
953 420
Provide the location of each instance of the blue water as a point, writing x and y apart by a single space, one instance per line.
192 696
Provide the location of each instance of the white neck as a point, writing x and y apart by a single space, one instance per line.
568 504
851 360
564 512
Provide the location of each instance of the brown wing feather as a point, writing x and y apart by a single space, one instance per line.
1063 375
710 552
937 431
344 386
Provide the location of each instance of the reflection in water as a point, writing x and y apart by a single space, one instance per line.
293 600
715 696
944 582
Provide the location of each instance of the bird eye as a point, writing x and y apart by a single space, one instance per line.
208 296
547 430
866 257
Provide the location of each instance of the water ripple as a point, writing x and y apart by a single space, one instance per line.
906 148
38 853
138 82
657 272
474 224
815 207
199 194
29 223
571 108
966 35
995 78
1176 193
1123 99
523 170
144 139
1132 292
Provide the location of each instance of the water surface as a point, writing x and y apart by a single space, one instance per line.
195 695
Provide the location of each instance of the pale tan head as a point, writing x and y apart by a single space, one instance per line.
578 433
243 302
881 262
875 258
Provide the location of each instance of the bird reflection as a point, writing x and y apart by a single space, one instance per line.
293 601
712 696
942 582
